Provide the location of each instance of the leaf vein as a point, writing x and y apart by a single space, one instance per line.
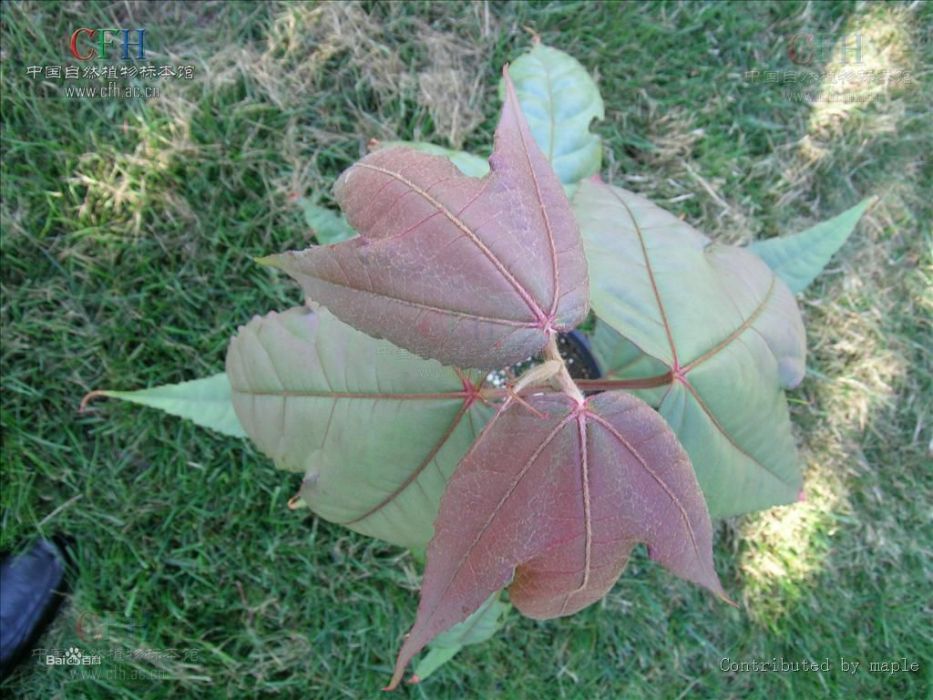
459 223
673 496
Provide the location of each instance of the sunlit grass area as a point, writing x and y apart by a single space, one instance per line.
129 229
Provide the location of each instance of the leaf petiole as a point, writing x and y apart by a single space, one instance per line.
612 384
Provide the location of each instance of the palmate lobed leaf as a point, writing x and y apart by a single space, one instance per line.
467 163
553 499
560 99
799 258
328 226
376 430
478 627
472 272
725 326
620 358
206 402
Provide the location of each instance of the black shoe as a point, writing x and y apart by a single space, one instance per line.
31 584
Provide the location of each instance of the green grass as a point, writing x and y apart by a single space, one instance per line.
129 230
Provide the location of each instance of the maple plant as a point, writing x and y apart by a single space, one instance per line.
446 270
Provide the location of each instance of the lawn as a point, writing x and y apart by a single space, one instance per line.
129 229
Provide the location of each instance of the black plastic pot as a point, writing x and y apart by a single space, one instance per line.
574 347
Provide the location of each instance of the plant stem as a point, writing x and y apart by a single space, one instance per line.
563 382
585 385
563 378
